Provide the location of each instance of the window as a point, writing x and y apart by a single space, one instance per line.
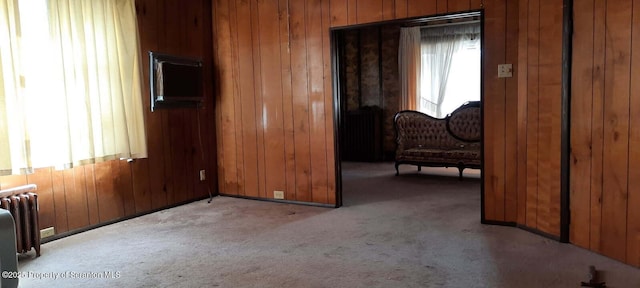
449 69
70 91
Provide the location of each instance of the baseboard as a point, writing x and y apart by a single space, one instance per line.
281 201
91 227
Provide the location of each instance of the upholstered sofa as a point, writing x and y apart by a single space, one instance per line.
453 141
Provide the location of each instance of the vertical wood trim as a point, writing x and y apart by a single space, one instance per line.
369 11
76 198
616 128
523 75
421 8
59 201
125 188
401 10
597 136
465 5
319 171
271 83
227 138
494 114
287 100
581 115
148 26
441 6
633 202
511 111
532 115
299 88
550 103
257 70
237 101
388 9
247 98
352 12
475 4
92 196
339 15
328 102
140 178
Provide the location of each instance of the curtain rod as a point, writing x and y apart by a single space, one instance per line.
450 24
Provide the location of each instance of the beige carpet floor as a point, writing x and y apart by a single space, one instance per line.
420 229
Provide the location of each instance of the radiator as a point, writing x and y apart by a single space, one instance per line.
362 135
22 202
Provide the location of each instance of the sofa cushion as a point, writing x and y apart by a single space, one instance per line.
468 157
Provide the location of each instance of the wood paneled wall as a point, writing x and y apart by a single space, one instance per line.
179 146
539 114
275 107
605 128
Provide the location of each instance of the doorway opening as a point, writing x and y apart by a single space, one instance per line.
370 83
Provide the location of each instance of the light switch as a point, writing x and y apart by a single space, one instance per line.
505 70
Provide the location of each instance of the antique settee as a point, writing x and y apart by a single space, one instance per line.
453 141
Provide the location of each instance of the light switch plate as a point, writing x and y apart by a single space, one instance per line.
505 70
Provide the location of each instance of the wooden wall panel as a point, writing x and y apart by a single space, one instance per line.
511 100
46 208
597 123
300 104
328 105
464 5
338 10
494 105
421 7
388 9
616 128
148 19
59 201
476 4
247 100
259 98
532 88
80 197
76 197
581 108
299 44
633 218
237 104
92 195
539 113
402 10
317 113
369 11
272 96
523 76
605 129
287 100
442 6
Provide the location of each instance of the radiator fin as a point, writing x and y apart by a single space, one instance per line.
362 135
22 202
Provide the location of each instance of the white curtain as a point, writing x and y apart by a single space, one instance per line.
409 67
439 50
70 90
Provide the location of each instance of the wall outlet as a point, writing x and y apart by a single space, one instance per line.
203 176
505 70
278 194
47 232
